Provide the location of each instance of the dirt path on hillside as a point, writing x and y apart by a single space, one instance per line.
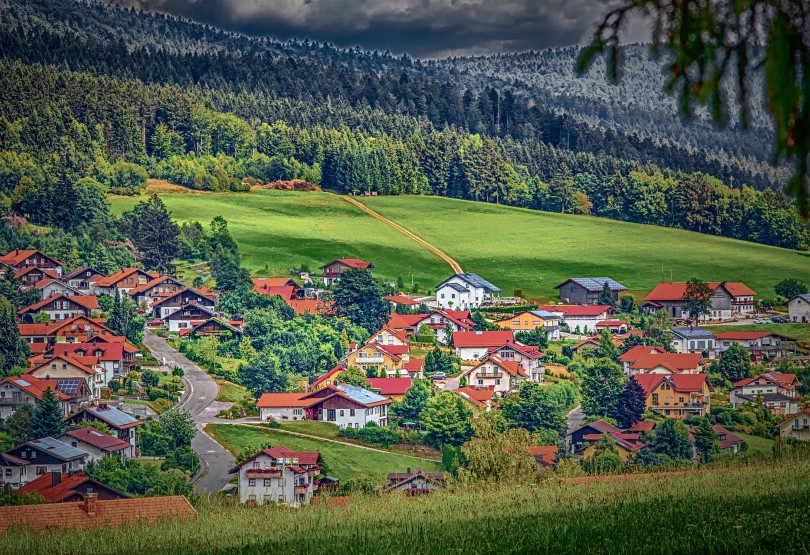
453 264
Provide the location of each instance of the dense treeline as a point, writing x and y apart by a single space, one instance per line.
67 34
86 131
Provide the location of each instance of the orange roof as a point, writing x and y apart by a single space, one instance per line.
391 386
575 310
286 292
778 378
112 513
78 362
152 283
34 386
414 364
109 281
674 291
546 453
65 488
478 396
511 367
20 255
634 353
284 400
351 263
89 302
273 282
676 362
312 306
28 269
679 382
402 299
401 335
462 339
399 321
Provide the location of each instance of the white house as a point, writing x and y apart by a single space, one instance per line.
438 320
31 460
278 475
494 372
474 345
693 340
346 406
581 317
799 308
97 444
50 287
776 389
465 291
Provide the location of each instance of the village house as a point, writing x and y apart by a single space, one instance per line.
465 291
50 287
635 353
331 272
581 318
96 443
474 345
576 441
91 513
545 456
613 326
154 290
799 308
82 279
414 483
391 388
627 444
122 424
22 259
214 326
728 300
330 378
493 371
531 320
402 301
344 405
389 336
585 291
188 316
29 461
438 321
79 329
173 302
777 391
667 363
528 358
70 368
32 276
16 390
124 281
278 476
112 357
393 360
481 399
675 395
727 442
762 345
796 426
57 487
59 307
693 340
286 288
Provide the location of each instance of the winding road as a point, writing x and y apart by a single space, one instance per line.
201 391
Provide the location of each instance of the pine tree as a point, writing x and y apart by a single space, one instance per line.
47 418
630 406
706 443
13 350
606 296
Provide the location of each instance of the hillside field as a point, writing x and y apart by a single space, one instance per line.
512 247
746 510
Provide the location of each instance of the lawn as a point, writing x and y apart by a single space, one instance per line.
797 331
749 510
313 428
757 444
230 392
524 249
280 230
342 460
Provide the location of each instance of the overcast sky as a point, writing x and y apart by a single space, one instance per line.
422 28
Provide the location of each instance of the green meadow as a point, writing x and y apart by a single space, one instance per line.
342 460
512 247
748 510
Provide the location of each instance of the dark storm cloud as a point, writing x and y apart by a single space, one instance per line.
423 28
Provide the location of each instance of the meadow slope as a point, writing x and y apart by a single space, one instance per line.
512 247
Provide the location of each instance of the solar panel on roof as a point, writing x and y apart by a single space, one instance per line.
57 448
23 383
597 283
68 387
112 415
360 395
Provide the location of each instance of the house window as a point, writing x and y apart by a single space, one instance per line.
497 381
341 413
655 399
480 382
251 482
351 412
330 415
256 465
298 412
268 482
680 400
42 470
8 472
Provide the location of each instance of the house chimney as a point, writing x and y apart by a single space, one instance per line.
56 478
90 504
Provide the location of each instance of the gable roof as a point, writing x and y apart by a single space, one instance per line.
634 353
351 263
332 372
402 299
273 282
109 351
45 272
804 296
511 367
99 439
81 270
546 454
111 513
749 335
200 295
402 336
35 386
112 416
675 362
76 361
309 458
361 395
680 382
472 279
691 332
529 351
284 400
90 302
18 256
777 378
286 292
574 310
113 279
312 306
465 339
478 396
595 284
674 291
54 448
391 386
54 493
152 283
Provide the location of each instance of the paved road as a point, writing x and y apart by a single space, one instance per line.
201 390
575 418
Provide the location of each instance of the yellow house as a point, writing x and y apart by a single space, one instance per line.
389 358
389 337
330 378
625 447
531 320
675 395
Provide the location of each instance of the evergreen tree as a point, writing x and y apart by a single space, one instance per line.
630 405
448 334
481 323
706 444
125 320
447 419
13 349
538 407
47 418
19 423
671 439
657 330
606 296
605 458
536 337
355 376
153 232
226 269
361 299
601 387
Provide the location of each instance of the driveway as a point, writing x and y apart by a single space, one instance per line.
575 418
201 391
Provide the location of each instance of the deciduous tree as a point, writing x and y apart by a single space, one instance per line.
361 299
735 364
447 419
601 387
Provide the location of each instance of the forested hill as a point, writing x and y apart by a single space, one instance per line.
533 96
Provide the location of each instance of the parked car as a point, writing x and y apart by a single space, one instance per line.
154 323
438 376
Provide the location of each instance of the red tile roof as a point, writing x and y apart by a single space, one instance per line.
414 364
643 426
18 256
634 353
78 362
391 386
462 339
109 281
546 453
528 351
674 291
111 513
45 272
403 300
778 378
284 400
89 302
286 292
679 382
332 372
351 263
109 351
99 439
478 396
65 488
575 310
312 306
511 367
393 350
675 362
399 321
34 386
399 334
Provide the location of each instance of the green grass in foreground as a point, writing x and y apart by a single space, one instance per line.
757 444
279 230
525 249
797 331
342 460
738 511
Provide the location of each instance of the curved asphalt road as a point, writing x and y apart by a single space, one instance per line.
201 390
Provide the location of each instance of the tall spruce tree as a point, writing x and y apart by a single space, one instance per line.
630 405
706 444
13 350
606 296
47 418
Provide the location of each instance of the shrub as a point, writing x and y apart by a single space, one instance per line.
274 424
160 405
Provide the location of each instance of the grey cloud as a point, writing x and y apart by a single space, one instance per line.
422 28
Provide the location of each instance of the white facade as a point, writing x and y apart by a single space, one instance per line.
264 481
282 413
464 292
93 452
58 288
355 417
799 309
691 342
586 324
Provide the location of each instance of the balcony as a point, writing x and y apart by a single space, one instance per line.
490 374
262 474
301 490
377 359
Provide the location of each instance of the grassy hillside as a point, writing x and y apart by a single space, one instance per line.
342 460
519 248
279 230
740 511
512 247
